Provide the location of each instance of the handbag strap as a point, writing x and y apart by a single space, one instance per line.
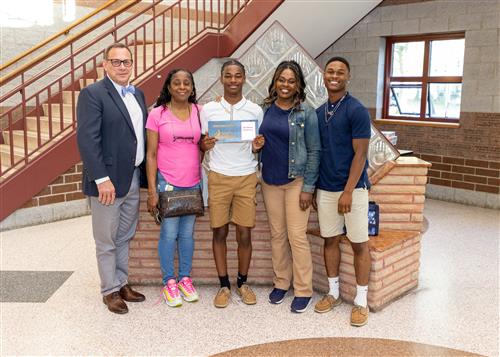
202 154
198 114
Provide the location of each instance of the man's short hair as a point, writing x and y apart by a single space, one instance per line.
232 62
338 59
116 45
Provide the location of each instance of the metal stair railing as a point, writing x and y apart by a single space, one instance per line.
26 55
155 32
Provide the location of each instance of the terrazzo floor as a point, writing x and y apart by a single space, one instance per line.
456 304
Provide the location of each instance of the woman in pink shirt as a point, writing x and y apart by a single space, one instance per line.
173 163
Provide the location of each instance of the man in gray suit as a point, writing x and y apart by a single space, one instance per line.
111 119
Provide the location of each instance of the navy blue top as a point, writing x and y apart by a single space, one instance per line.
274 127
350 121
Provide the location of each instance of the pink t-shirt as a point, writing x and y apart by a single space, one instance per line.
178 151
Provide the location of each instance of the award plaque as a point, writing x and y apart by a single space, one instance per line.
233 131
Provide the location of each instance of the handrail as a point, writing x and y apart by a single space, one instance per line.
60 33
38 116
69 40
36 100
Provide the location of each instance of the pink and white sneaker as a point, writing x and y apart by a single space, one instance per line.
187 289
171 294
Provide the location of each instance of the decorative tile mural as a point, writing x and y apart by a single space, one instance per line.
260 61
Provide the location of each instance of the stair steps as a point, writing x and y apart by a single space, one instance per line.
5 154
86 81
68 96
43 122
31 123
31 138
67 110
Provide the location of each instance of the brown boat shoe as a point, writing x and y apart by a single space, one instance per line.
327 303
359 315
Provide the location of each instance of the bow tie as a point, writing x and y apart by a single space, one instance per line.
129 89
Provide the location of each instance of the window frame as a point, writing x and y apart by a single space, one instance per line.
425 79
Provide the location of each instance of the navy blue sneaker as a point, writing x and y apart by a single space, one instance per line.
300 304
277 296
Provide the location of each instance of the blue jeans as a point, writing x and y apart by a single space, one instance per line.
175 232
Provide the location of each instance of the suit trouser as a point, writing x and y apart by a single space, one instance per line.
291 251
113 227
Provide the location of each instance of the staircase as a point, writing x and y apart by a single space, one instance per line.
38 120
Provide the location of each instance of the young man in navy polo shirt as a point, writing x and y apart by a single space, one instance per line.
342 195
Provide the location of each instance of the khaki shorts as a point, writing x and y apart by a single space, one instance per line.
331 222
231 199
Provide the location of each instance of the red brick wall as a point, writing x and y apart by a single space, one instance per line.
468 174
67 187
467 157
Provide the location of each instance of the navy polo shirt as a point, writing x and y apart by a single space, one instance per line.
350 121
275 129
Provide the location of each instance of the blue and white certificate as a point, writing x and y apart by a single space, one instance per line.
233 131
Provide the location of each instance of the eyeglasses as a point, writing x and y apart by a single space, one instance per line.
118 63
157 216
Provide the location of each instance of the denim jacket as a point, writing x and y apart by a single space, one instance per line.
303 146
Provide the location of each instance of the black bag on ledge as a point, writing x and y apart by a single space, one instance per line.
373 219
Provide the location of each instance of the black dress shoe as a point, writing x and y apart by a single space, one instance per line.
115 303
130 295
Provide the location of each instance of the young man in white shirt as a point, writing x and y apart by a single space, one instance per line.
232 181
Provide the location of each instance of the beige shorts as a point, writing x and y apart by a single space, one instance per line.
331 222
231 199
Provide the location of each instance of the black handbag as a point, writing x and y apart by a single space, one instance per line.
181 203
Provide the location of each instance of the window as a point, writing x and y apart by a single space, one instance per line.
423 77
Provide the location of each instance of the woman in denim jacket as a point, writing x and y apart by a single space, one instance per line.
290 162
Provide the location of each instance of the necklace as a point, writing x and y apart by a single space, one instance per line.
230 112
330 113
177 112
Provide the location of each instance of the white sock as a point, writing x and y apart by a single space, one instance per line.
334 287
361 295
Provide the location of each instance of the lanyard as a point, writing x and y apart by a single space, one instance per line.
329 114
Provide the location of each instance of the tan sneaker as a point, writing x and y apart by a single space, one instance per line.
359 315
222 298
247 295
327 303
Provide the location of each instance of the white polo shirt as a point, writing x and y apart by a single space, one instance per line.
231 159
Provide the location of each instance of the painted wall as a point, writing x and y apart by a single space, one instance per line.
315 24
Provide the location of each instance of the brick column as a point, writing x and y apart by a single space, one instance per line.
400 194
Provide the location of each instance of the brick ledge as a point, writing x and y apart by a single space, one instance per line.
384 241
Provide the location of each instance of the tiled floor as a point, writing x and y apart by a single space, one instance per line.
455 306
